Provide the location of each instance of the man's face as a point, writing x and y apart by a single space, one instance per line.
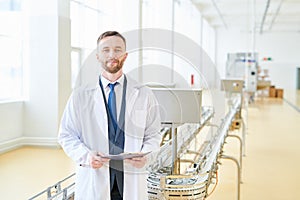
111 53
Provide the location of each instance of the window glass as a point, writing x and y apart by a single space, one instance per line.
157 14
187 24
187 20
10 5
11 51
209 40
90 18
75 64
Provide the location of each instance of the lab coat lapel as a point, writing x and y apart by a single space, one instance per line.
102 109
132 92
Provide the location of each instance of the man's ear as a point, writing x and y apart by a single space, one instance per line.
125 56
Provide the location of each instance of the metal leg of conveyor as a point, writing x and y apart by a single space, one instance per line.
246 110
213 125
175 162
241 147
244 137
238 171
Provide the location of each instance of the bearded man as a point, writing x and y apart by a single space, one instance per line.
115 116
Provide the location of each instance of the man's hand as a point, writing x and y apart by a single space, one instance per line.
96 161
137 162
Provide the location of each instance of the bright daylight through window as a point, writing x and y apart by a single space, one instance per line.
11 51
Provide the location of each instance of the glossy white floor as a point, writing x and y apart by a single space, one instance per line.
270 168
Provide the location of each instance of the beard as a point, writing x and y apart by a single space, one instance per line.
113 66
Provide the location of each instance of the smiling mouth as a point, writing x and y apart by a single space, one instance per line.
112 62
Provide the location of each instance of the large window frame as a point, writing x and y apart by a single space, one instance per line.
12 51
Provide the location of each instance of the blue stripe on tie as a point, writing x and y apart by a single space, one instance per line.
112 104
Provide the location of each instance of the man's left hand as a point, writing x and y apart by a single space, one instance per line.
137 162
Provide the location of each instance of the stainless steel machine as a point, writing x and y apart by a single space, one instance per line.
243 65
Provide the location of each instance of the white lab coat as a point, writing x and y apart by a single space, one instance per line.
84 129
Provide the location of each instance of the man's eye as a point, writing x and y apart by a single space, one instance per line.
105 50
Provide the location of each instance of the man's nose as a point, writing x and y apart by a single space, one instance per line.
112 54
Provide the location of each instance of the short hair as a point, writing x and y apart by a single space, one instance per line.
110 33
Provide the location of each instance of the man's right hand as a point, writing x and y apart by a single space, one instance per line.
96 161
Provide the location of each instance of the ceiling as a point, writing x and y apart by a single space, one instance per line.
247 15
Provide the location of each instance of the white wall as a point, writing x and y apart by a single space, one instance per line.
35 121
39 110
49 67
282 47
11 120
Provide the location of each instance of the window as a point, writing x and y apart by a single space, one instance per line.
11 50
10 5
75 64
89 18
157 14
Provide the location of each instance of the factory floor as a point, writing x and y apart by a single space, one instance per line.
270 167
29 170
272 162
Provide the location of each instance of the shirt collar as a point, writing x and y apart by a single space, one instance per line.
106 81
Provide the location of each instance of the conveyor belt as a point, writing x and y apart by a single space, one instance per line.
58 191
194 184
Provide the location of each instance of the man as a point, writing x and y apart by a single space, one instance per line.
117 115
